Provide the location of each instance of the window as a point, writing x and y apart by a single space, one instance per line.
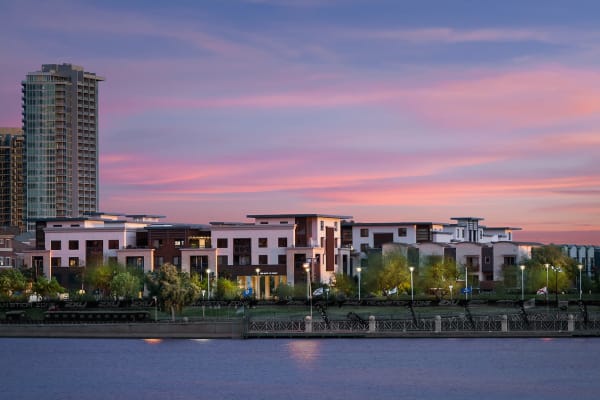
282 259
55 261
159 261
263 259
55 245
282 242
137 262
335 225
402 232
1 242
322 225
179 242
73 244
486 260
73 261
283 222
264 222
113 244
510 260
364 247
222 260
177 261
157 243
364 232
199 261
222 243
262 242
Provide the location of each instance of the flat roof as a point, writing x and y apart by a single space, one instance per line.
166 225
471 218
393 223
258 216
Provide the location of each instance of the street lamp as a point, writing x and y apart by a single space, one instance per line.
556 271
308 289
450 287
547 266
359 270
522 282
580 268
155 308
257 283
208 281
466 283
412 294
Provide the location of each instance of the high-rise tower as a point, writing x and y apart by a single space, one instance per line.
60 123
12 188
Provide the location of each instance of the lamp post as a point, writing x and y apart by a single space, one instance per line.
522 282
556 271
359 270
580 268
257 295
450 287
412 293
466 283
155 308
547 266
308 291
208 282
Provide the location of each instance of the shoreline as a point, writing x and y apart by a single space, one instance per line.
236 329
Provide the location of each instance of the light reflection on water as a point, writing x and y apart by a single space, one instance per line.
304 352
289 369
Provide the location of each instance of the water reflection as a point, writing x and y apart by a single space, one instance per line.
152 341
305 352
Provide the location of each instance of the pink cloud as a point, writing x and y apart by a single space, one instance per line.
539 96
449 35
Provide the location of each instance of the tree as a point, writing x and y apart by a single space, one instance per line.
125 284
11 280
439 273
227 290
344 285
47 287
100 277
173 288
386 272
558 280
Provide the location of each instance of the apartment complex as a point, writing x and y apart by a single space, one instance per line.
60 124
12 201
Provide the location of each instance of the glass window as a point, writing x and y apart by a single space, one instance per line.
281 259
113 244
262 242
282 242
222 260
55 261
222 243
55 245
263 259
402 232
73 261
73 244
364 232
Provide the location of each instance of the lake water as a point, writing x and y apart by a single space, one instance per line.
300 369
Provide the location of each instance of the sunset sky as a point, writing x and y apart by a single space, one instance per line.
385 110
